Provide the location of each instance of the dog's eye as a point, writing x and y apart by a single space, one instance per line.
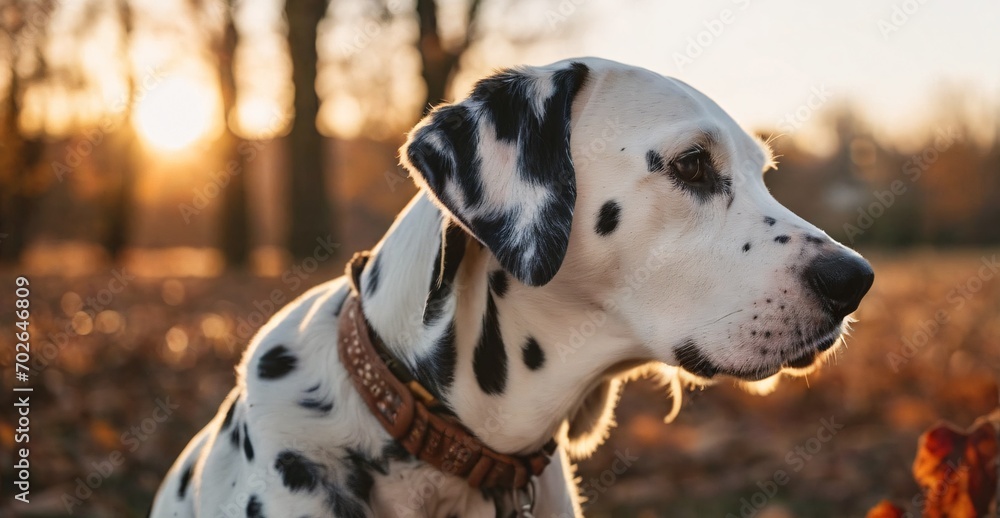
692 166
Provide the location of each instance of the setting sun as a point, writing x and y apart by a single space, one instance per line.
176 113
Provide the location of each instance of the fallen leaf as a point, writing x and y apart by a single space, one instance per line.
886 509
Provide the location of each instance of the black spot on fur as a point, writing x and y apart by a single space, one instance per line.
339 298
185 480
814 240
691 359
373 274
297 472
343 505
234 436
655 162
436 371
229 414
317 404
443 274
489 361
355 266
498 283
359 479
247 446
313 388
254 508
782 239
607 218
770 221
746 247
276 363
532 354
395 451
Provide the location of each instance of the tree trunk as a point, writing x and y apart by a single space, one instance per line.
234 239
436 62
21 157
309 205
118 209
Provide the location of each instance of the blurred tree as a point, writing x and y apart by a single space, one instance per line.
438 62
378 53
308 201
24 25
122 146
234 230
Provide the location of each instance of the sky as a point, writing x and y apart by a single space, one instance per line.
772 64
763 60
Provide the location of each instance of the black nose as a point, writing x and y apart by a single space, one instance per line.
840 280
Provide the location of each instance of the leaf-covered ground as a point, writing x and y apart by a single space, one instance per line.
129 369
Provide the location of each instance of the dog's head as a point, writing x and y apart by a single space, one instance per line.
636 194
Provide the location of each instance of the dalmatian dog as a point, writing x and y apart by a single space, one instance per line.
577 224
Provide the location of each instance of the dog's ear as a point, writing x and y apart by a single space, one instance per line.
499 162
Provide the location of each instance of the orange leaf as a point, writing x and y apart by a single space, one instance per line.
885 509
957 471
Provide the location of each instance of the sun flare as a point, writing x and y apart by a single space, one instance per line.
176 113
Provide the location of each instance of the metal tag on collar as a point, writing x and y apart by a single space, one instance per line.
525 509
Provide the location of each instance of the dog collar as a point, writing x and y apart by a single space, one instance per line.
402 409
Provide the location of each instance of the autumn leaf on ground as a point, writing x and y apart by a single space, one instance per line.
957 471
885 509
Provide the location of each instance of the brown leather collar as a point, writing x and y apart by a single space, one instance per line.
437 439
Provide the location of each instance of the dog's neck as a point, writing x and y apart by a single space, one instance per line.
513 362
